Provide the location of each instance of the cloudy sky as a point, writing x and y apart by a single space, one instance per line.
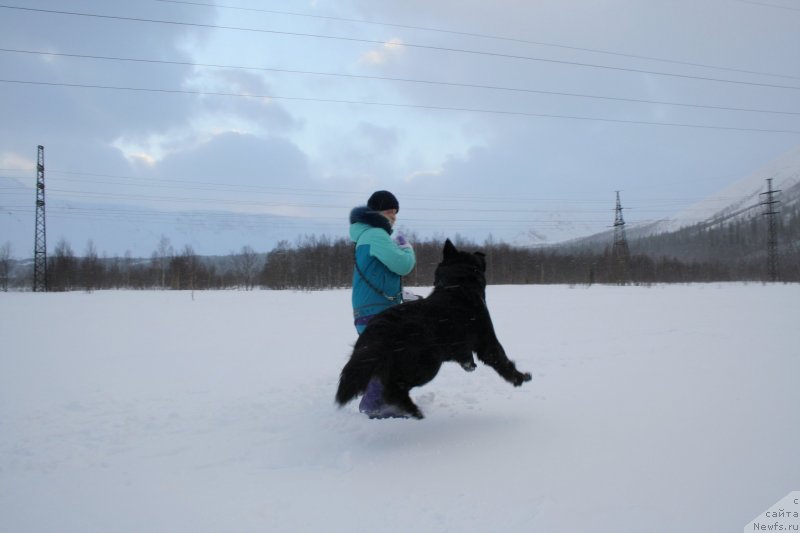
246 122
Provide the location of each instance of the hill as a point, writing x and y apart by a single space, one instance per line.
729 228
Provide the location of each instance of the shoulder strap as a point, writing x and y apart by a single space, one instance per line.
398 298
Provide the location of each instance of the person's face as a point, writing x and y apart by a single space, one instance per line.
391 214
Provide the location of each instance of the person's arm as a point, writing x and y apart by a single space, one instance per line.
400 260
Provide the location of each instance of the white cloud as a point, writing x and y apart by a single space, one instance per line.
423 175
384 54
16 161
141 158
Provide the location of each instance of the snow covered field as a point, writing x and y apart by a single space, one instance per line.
662 409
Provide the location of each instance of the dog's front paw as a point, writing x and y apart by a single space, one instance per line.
469 366
521 378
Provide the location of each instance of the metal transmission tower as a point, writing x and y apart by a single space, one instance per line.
40 240
770 211
620 254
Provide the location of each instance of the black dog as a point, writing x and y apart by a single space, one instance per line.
406 345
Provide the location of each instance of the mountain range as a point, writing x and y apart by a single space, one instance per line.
744 199
729 226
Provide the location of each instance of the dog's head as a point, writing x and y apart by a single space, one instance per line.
460 269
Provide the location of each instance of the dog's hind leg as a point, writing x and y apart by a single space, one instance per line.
396 394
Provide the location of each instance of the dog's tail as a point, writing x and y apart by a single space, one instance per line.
355 375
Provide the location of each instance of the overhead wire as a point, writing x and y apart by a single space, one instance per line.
764 4
203 184
207 217
257 219
492 216
401 44
388 104
395 79
401 106
73 193
484 36
326 224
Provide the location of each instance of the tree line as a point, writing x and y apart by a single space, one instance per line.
165 269
313 263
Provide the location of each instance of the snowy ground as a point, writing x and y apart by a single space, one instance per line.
663 409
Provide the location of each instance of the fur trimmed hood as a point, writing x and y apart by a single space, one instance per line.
365 215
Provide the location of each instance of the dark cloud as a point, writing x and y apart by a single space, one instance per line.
257 108
94 113
240 159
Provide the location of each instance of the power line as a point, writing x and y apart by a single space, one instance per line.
205 185
226 202
151 214
202 184
485 36
182 183
586 206
202 218
407 45
393 79
765 4
399 105
667 208
72 193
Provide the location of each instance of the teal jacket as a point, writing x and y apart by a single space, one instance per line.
378 259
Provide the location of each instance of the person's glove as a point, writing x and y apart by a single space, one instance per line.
401 241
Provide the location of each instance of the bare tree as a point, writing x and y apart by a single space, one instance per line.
161 260
186 270
246 266
277 270
90 268
127 266
61 267
5 265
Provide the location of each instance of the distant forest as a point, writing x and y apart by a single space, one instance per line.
733 252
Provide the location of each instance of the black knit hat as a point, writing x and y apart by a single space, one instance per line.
383 201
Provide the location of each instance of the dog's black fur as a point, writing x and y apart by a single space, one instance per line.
405 345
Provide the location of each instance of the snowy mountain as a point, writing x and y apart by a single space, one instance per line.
737 205
743 200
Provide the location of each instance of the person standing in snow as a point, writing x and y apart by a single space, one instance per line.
380 263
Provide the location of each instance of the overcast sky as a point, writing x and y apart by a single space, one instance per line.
251 121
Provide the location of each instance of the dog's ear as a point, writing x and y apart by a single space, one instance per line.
449 249
481 259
